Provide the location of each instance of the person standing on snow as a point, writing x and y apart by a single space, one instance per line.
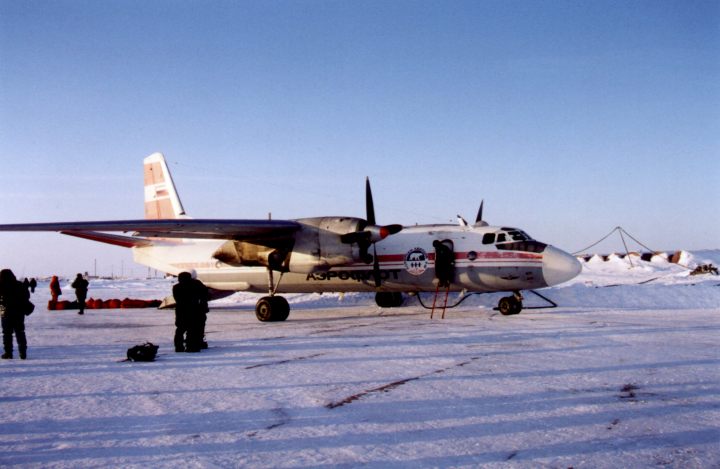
55 289
187 307
13 300
198 329
81 288
444 264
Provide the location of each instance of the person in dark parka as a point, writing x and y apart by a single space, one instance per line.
187 304
444 264
81 288
13 297
198 328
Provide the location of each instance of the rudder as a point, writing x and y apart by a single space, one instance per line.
161 198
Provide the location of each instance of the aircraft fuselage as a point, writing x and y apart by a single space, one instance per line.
406 263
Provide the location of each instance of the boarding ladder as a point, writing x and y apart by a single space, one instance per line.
435 302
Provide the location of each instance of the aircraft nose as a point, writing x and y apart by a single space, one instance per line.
559 266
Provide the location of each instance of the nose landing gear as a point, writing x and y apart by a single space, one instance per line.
509 305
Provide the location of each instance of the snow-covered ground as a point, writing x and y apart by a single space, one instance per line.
625 373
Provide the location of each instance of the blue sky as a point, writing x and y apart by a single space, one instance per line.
568 118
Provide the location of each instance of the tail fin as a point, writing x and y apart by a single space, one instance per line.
161 198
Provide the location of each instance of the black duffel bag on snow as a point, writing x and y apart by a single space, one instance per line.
143 353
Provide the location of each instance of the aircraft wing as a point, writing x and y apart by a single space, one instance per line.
116 240
263 232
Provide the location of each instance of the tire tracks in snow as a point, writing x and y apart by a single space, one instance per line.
282 362
395 384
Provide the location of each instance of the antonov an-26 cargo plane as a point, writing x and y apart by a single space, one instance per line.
325 254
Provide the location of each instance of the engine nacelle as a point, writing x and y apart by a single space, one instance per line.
241 253
318 246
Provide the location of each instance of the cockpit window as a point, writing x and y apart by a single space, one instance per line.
513 239
516 236
488 238
512 234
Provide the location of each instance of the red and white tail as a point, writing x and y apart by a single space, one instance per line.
161 198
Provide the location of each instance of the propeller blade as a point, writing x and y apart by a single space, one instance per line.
356 237
369 206
479 217
371 234
376 268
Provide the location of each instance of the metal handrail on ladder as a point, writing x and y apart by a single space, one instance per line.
437 290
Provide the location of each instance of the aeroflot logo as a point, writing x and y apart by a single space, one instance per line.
416 261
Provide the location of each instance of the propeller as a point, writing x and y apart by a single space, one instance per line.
369 205
479 218
480 210
370 234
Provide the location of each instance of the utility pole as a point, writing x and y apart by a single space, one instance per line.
627 251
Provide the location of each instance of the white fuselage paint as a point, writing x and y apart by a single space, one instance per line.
406 264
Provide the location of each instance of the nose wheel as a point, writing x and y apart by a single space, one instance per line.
509 305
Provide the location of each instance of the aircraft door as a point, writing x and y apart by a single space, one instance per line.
444 262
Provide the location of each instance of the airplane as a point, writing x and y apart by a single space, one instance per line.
325 254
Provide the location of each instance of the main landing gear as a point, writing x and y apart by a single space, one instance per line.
387 299
509 305
272 308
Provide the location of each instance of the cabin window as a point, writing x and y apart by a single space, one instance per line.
488 238
472 255
527 246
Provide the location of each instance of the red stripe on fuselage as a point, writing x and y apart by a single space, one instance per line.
500 256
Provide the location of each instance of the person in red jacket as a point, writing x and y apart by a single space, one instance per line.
55 288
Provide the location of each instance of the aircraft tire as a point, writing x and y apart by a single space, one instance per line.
398 299
272 308
389 299
281 308
509 305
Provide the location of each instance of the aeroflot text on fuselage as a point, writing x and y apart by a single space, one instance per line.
357 275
